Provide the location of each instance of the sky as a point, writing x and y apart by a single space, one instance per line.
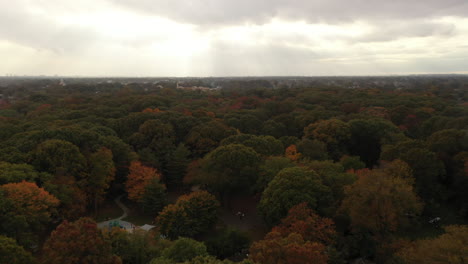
141 38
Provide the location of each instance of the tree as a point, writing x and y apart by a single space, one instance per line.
185 249
264 145
292 249
12 253
78 242
137 247
428 170
101 174
154 198
380 203
177 166
205 137
191 215
335 133
73 200
10 173
122 155
59 157
35 205
312 149
292 153
367 137
230 167
352 163
451 247
333 176
302 220
140 176
227 243
290 187
269 169
450 141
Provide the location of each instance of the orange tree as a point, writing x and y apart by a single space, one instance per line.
293 249
29 208
380 203
140 176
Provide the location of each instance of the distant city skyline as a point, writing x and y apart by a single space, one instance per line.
202 38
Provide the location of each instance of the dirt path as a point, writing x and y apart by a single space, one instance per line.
122 206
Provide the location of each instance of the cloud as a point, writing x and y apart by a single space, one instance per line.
222 12
221 37
393 30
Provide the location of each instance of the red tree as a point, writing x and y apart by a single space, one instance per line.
302 220
79 242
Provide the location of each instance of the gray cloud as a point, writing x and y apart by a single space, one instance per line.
233 37
393 30
221 12
40 31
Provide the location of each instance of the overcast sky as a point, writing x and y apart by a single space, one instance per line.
233 37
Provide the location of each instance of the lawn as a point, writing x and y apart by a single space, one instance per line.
109 210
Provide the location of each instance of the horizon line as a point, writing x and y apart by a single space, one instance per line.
232 76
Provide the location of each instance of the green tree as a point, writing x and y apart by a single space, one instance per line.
227 243
59 157
185 249
269 169
191 215
230 167
367 137
290 187
428 170
334 133
10 173
154 197
12 253
101 174
312 149
177 166
205 137
264 145
138 247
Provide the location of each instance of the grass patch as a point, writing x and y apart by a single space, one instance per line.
139 219
135 215
109 210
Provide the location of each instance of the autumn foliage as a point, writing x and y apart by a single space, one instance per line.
302 220
138 178
78 242
292 249
451 247
30 201
380 202
292 153
301 237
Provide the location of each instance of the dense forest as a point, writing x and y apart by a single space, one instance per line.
234 170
